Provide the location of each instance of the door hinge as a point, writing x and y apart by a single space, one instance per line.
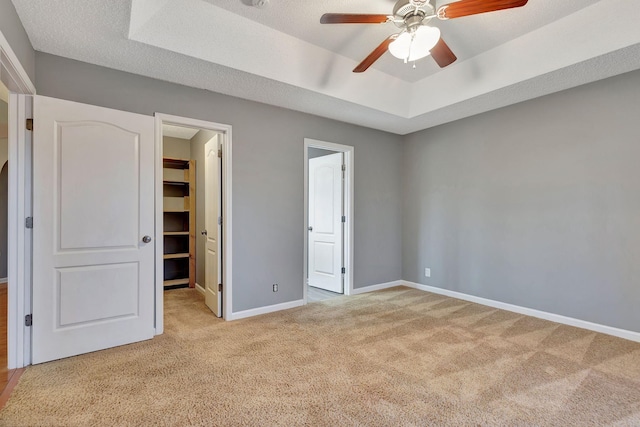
344 218
28 222
219 287
220 152
344 270
29 124
28 320
344 168
219 220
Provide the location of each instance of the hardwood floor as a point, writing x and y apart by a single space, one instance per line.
8 377
3 332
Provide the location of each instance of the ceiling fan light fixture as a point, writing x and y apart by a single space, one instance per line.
411 46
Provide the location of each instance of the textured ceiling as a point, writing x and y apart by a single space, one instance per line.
281 55
179 131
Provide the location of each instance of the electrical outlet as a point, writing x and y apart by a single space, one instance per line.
427 272
275 287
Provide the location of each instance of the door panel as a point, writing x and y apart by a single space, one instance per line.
213 296
96 294
93 277
325 222
75 147
324 257
325 184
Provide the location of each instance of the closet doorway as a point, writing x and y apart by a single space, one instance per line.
194 198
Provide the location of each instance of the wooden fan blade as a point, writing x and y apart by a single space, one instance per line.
473 7
442 54
352 18
375 55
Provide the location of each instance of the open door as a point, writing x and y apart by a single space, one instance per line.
325 222
213 291
93 258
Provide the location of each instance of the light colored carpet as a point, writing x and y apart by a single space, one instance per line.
388 358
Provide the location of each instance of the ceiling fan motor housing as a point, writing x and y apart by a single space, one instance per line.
407 8
410 14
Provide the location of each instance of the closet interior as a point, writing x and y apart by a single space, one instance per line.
179 222
179 208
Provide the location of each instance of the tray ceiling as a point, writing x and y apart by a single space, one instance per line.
281 55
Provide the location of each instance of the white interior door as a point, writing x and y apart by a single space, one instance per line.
93 205
325 222
212 294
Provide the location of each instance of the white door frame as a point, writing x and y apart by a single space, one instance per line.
16 79
348 152
225 131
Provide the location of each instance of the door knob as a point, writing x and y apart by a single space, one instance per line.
203 232
146 239
310 228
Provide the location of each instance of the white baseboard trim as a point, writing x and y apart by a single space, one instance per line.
609 330
378 287
264 310
199 289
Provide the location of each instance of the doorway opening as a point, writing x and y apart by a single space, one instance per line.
191 180
328 211
191 218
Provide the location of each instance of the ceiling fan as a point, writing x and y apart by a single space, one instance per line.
417 39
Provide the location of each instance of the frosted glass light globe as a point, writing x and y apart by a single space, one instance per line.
416 45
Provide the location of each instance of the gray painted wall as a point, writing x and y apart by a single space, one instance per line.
4 192
318 152
197 154
268 156
12 29
4 224
537 204
176 148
